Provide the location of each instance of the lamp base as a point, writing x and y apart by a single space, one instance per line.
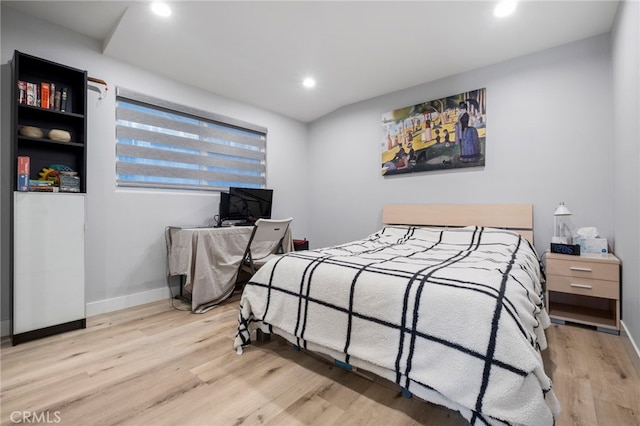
561 240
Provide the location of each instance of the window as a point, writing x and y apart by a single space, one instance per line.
165 145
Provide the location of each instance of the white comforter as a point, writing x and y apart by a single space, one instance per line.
453 316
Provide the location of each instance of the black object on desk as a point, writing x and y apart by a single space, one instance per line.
572 249
299 245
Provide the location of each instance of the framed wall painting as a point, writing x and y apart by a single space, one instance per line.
442 134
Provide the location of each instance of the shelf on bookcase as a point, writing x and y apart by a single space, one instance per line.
52 111
50 141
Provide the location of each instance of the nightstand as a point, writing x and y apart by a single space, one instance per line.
584 289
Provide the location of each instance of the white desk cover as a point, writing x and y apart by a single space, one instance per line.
209 258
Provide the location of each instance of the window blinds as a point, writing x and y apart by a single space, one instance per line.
161 144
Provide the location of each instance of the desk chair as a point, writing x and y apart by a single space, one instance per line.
264 244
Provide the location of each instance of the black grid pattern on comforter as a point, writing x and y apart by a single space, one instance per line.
454 316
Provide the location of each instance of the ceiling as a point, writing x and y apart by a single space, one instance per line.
258 52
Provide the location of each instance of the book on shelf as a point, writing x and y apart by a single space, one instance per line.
52 95
44 94
41 182
63 100
56 100
41 94
24 164
43 188
22 92
31 94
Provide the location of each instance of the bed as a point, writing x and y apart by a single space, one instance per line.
444 301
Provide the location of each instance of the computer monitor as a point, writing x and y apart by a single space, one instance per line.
246 204
223 209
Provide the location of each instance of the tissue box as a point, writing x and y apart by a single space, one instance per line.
592 245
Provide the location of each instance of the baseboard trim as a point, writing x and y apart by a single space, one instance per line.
631 347
28 336
113 304
128 301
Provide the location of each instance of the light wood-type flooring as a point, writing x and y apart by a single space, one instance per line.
154 365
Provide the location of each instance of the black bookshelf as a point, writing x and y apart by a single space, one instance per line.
45 152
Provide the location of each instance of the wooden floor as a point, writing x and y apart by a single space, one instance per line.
154 365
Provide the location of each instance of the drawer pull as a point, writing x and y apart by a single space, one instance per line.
581 286
575 268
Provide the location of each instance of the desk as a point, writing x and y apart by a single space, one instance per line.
209 259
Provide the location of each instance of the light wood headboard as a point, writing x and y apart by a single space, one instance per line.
514 217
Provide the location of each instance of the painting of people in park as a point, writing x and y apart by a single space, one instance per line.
442 134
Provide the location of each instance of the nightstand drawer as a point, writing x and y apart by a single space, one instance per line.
584 286
581 269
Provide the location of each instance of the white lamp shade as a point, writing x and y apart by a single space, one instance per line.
562 210
559 226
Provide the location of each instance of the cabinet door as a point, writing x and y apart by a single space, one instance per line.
48 287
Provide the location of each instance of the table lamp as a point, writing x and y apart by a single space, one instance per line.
559 225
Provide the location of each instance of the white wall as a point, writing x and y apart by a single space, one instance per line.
548 140
125 235
626 142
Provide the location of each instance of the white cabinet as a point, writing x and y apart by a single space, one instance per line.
48 261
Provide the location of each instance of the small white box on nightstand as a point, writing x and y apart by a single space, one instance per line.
592 245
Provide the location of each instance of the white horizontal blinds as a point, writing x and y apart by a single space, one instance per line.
165 145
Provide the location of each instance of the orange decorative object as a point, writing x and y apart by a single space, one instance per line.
50 174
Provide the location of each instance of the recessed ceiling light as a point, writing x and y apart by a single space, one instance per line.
161 9
308 82
504 8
